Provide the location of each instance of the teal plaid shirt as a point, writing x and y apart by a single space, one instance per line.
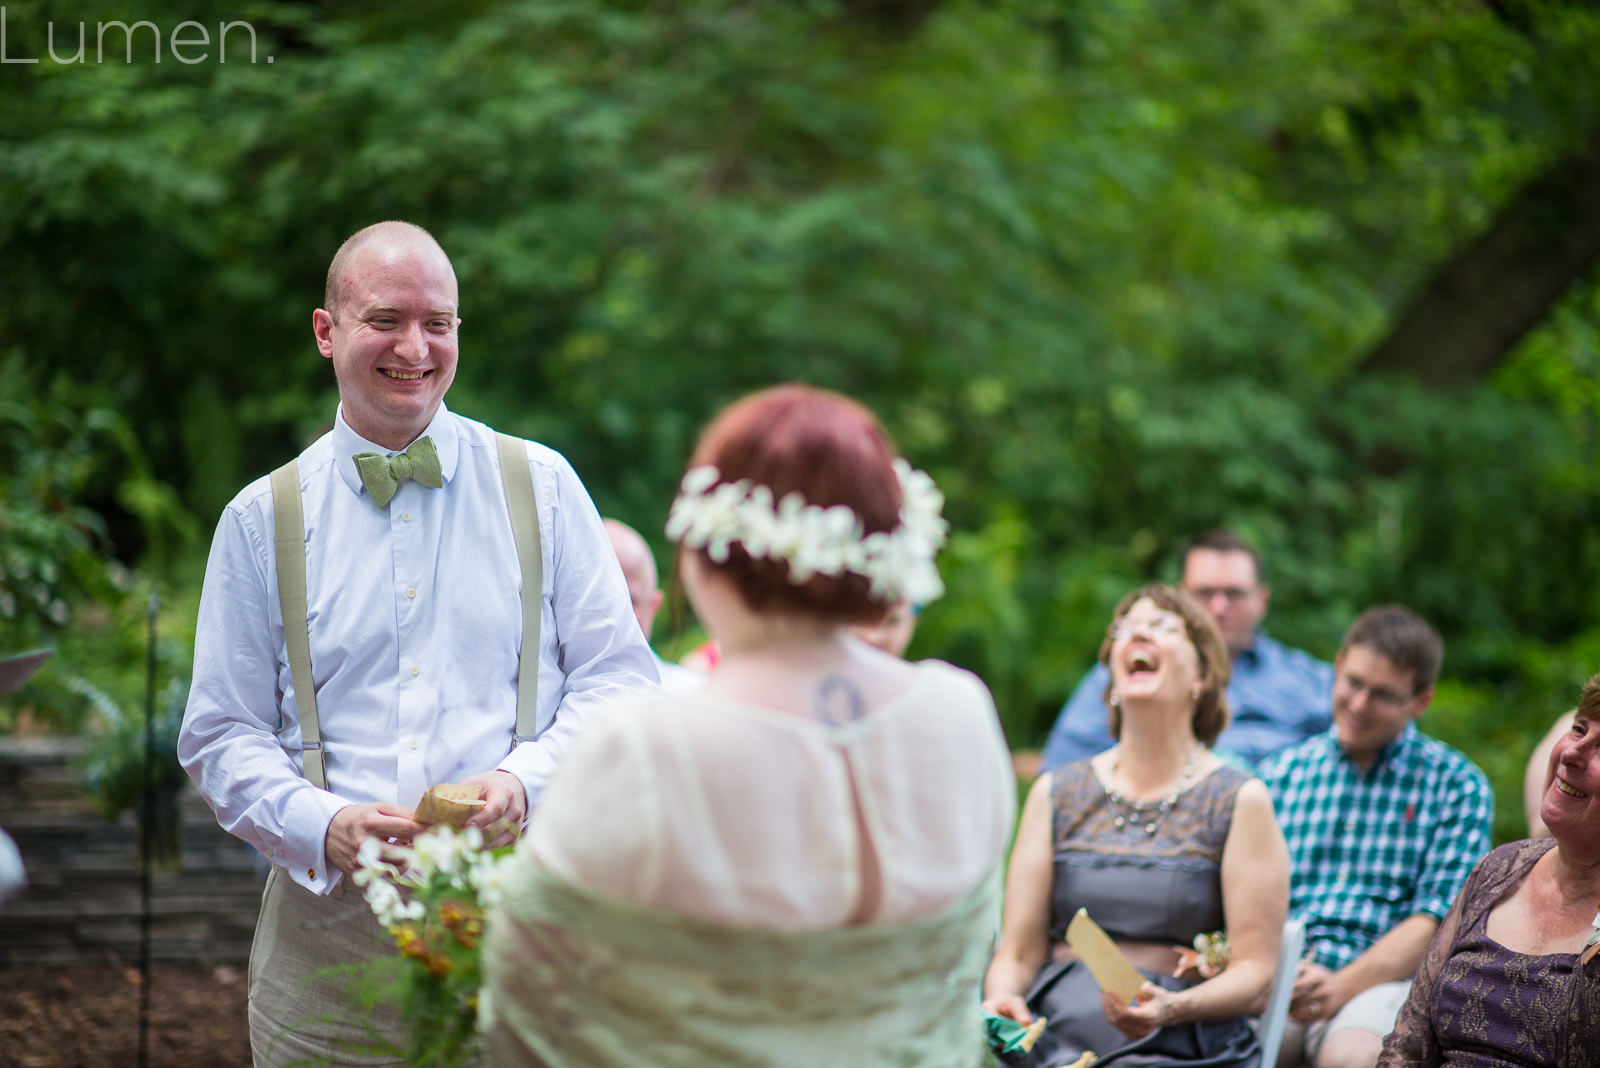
1368 850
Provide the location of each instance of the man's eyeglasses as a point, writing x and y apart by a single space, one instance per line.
1207 594
1156 625
1378 695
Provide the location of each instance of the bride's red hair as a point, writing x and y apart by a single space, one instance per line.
831 450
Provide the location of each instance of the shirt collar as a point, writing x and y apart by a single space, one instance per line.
1252 654
346 443
1396 750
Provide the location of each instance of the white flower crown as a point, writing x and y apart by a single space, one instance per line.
816 540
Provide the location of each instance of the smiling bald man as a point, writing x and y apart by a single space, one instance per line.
413 618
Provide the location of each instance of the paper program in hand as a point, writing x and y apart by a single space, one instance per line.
1104 960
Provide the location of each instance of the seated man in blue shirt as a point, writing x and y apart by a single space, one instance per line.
1383 825
1278 696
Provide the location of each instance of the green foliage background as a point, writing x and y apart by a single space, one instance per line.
1105 270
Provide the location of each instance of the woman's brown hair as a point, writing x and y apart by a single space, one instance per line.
1216 668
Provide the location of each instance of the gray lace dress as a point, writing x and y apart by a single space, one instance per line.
1162 887
1476 1004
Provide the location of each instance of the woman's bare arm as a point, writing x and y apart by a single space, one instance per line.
1025 931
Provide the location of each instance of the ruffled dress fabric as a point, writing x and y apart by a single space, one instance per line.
574 979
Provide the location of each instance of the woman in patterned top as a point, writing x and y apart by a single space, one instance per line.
1512 976
1160 841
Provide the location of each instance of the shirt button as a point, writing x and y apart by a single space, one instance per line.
311 873
415 670
405 517
411 592
413 743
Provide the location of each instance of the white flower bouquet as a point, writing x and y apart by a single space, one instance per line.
431 897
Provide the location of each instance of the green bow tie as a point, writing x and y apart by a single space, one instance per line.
382 474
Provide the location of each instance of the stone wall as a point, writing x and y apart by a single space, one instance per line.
82 903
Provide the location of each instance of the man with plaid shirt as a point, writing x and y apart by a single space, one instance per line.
1383 825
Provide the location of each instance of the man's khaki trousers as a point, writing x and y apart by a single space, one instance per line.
301 1012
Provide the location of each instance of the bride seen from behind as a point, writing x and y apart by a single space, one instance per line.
794 865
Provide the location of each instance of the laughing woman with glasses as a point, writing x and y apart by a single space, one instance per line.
1160 842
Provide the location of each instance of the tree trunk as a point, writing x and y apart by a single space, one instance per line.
1478 304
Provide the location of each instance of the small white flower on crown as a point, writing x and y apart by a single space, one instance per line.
815 539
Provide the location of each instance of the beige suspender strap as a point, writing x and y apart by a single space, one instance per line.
289 531
525 529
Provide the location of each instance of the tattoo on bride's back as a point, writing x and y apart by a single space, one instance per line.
839 701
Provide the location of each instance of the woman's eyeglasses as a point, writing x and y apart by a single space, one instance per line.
1151 626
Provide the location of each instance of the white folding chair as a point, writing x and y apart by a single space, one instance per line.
1269 1025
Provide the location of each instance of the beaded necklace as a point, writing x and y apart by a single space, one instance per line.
1138 810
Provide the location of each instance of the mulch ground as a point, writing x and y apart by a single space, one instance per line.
88 1016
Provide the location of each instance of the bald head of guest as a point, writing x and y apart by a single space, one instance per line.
639 569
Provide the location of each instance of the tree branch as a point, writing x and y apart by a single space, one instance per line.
1483 300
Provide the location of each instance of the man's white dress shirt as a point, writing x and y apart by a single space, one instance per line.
675 678
415 627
